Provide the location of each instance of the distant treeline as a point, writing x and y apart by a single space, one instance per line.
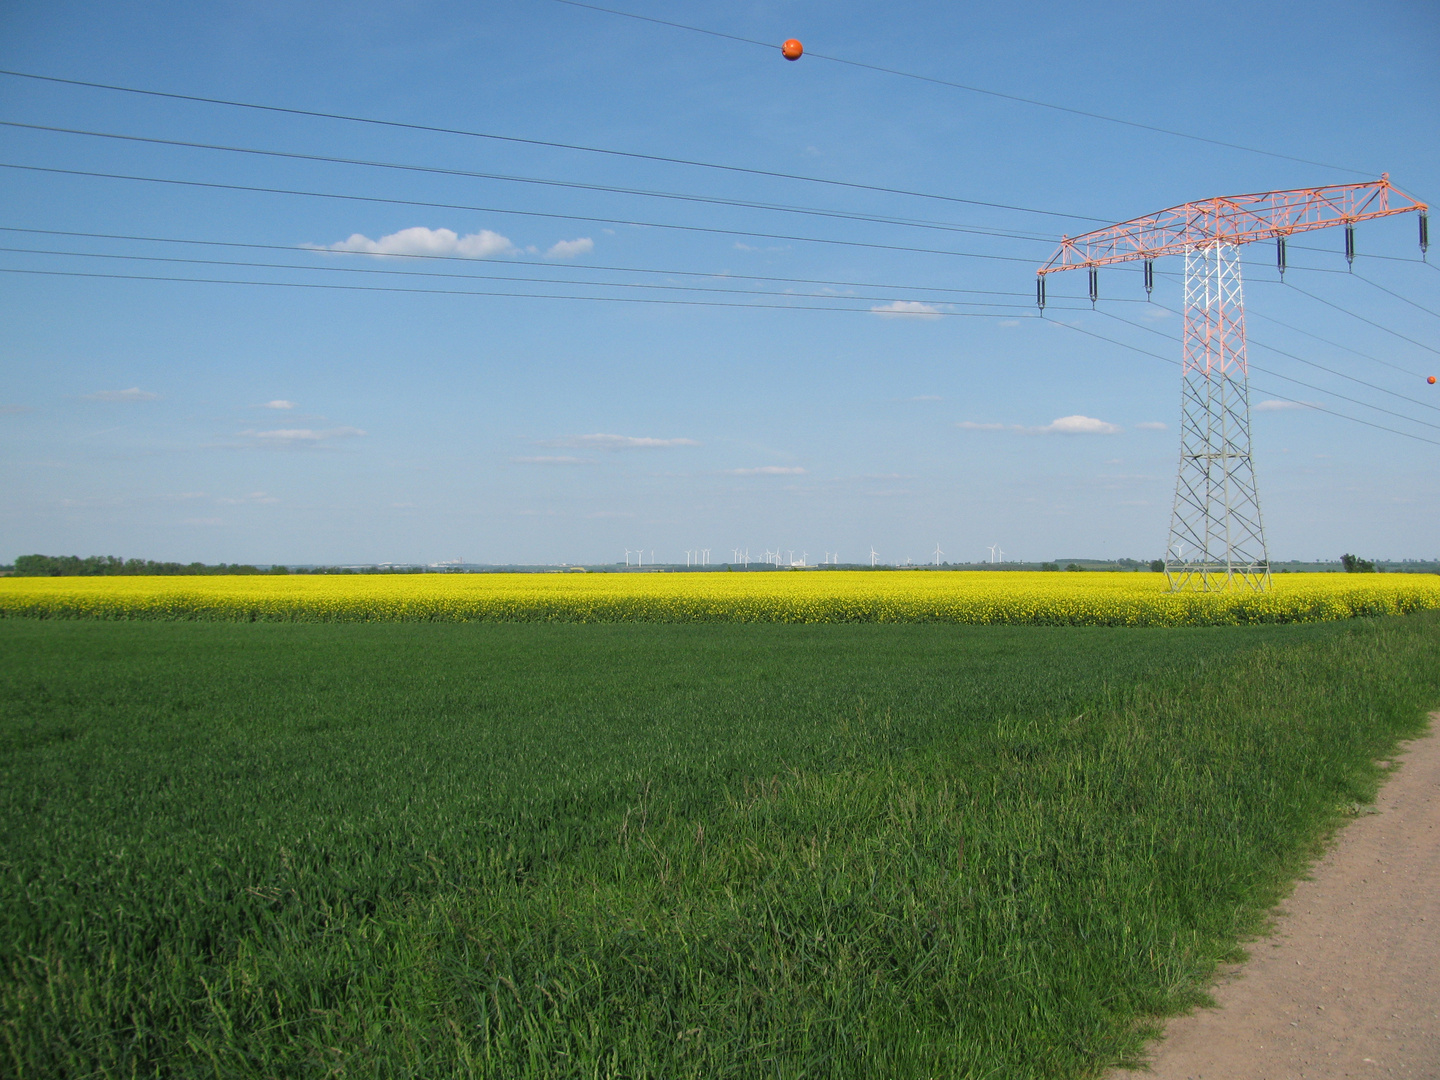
110 566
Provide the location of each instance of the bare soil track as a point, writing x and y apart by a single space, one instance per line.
1349 985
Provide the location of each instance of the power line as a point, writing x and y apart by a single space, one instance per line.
1287 378
433 129
1363 319
661 271
710 200
291 248
1333 344
715 230
1318 366
670 301
1270 393
972 89
489 277
1397 296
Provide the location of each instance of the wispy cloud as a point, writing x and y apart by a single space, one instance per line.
768 470
14 410
1152 425
422 241
544 460
278 403
568 249
1276 405
618 442
300 437
133 394
203 521
252 498
1065 425
906 309
924 397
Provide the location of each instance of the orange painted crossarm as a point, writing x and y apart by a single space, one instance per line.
1234 219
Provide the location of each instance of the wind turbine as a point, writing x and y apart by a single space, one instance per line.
992 552
873 556
938 553
627 556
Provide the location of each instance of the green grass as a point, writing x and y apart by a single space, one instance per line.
656 851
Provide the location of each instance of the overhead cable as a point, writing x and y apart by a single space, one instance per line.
491 277
548 264
1251 340
710 200
715 230
1362 318
1269 393
661 158
973 89
1397 296
1252 314
1288 378
530 296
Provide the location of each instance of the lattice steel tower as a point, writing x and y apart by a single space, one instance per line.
1217 537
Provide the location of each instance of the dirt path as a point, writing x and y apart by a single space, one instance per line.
1349 986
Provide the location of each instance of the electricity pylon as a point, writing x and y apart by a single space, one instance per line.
1216 521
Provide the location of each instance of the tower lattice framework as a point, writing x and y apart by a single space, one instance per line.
1216 532
1217 537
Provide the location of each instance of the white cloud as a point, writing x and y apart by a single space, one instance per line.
1276 405
422 241
1080 425
906 309
300 436
568 249
551 461
278 403
133 394
1151 425
620 442
1065 425
253 497
768 470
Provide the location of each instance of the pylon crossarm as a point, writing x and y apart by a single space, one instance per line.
1232 219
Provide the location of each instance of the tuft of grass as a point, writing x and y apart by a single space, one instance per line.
658 851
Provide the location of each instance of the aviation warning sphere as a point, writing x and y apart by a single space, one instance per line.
792 49
1431 380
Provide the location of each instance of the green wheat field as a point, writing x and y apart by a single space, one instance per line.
658 851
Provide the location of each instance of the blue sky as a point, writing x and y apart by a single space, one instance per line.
251 422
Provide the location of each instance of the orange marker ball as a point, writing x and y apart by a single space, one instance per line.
792 49
1431 380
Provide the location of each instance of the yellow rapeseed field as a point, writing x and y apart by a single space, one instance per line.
959 596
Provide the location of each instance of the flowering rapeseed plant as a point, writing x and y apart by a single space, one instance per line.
1015 597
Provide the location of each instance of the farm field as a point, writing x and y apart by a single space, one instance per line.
646 850
955 596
